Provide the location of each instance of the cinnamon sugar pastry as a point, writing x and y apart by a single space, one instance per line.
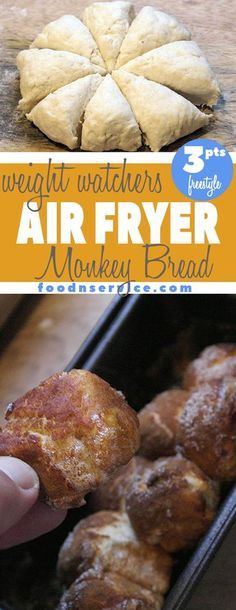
108 592
214 363
207 429
106 542
74 429
172 503
159 422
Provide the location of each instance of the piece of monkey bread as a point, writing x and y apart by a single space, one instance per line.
111 495
214 363
109 591
159 422
106 542
208 429
74 429
172 503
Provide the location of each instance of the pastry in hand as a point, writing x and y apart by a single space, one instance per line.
106 542
159 423
172 503
74 429
109 591
214 363
207 429
111 495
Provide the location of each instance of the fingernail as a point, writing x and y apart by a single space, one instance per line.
21 473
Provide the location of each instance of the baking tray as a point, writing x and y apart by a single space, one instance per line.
141 346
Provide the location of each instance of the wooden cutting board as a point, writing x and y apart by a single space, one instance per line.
210 21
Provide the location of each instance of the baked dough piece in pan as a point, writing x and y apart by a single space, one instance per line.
172 503
214 364
106 542
69 34
43 71
207 428
181 66
163 115
109 122
149 30
59 115
109 23
110 591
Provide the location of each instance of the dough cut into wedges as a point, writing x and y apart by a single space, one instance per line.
109 122
59 115
69 34
43 71
109 23
181 66
163 115
149 30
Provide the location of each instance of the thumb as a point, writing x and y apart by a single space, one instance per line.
19 489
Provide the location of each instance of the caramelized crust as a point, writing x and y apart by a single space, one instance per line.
172 503
159 422
106 542
215 363
208 429
112 494
108 592
74 429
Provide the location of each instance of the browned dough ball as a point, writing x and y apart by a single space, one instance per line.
112 494
213 364
172 503
74 429
108 592
106 542
159 422
208 429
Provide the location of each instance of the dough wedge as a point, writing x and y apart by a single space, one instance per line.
163 115
69 34
181 66
109 22
109 122
59 115
42 71
149 30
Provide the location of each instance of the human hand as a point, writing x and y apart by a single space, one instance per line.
22 515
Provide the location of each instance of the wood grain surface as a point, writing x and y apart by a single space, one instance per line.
47 341
212 23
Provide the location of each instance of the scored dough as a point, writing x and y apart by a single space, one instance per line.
149 30
42 71
109 23
69 34
60 114
181 66
163 115
109 123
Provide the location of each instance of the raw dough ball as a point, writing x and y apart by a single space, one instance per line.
163 115
108 592
181 66
149 30
42 71
109 23
207 429
112 494
159 422
105 542
60 114
109 122
172 503
213 364
74 429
